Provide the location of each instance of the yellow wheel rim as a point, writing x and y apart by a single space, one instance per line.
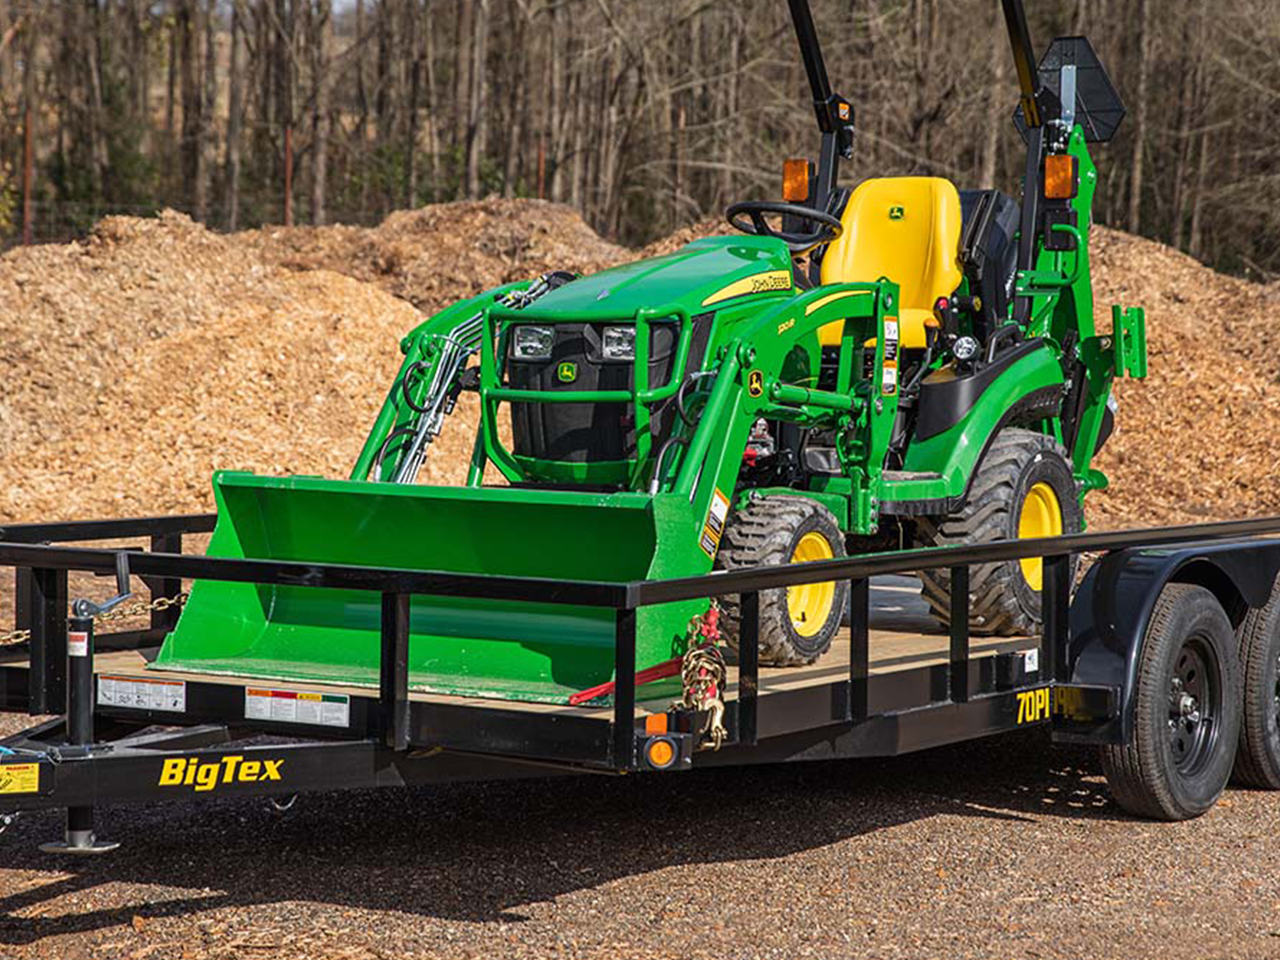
1041 516
810 604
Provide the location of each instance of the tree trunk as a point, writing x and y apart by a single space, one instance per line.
478 118
321 41
1140 115
235 117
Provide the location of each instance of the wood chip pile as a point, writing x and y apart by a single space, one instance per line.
138 362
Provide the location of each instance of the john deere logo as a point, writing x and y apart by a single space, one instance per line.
567 372
897 213
755 383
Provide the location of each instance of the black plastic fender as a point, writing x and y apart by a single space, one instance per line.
1113 605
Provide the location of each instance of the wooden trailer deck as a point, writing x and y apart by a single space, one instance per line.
902 638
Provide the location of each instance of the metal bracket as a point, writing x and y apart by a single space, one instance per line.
87 608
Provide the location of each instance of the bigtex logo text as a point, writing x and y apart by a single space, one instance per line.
181 772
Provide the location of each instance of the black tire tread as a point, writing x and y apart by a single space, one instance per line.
760 534
1133 768
1254 767
993 608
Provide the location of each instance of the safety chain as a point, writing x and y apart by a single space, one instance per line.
122 612
703 674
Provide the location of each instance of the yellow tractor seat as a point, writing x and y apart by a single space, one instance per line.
908 230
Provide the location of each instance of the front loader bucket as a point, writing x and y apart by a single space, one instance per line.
483 648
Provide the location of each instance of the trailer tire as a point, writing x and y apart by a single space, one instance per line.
1187 711
771 531
1258 757
1021 470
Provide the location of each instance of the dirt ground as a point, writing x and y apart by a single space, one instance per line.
999 848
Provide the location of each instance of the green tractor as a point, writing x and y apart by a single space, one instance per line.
901 363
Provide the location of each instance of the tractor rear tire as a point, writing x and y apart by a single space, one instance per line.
1258 757
1023 487
797 624
1178 759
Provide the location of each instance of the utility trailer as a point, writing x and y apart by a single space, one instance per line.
1166 658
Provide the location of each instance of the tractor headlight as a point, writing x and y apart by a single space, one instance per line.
532 343
618 343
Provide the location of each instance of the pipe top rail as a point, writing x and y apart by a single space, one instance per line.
618 596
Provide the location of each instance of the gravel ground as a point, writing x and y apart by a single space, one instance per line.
996 848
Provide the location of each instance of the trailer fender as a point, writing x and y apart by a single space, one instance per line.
1114 604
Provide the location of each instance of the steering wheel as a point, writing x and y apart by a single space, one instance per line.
749 217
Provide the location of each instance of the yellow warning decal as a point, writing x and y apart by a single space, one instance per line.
713 529
20 778
773 282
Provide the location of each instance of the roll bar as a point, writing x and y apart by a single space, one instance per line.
835 113
1024 59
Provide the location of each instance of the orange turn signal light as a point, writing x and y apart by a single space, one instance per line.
655 724
661 753
795 181
1061 177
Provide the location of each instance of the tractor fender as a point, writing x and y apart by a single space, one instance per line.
1114 603
1027 389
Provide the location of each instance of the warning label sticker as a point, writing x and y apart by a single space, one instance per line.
890 383
713 529
142 694
293 706
78 644
20 778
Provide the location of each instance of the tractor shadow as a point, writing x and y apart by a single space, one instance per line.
478 852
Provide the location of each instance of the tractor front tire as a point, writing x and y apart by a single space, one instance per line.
1023 488
797 624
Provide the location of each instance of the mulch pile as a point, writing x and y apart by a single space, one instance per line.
139 361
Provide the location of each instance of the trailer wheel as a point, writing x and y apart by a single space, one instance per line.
1258 758
797 624
1187 722
1023 488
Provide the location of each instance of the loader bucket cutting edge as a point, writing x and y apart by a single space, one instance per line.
472 647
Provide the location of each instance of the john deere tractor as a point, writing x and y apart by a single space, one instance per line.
902 362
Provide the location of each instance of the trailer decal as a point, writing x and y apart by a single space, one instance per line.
294 706
20 778
1034 706
137 693
203 777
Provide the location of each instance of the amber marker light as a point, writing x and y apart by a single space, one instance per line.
1060 177
795 181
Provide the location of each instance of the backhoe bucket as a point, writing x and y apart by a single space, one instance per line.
474 647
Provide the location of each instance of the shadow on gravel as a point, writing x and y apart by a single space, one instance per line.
477 852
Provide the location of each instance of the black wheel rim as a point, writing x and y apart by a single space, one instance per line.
1195 703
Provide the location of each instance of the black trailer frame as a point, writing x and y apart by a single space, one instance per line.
93 753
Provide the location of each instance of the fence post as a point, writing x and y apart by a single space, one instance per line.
859 649
958 675
1054 601
624 690
393 687
749 669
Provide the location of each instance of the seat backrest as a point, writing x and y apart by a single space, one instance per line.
903 228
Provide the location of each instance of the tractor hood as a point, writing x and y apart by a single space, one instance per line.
699 276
